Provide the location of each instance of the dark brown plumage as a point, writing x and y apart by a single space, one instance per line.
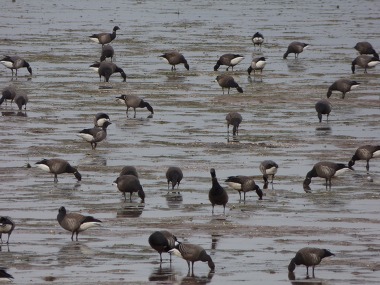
217 195
323 107
107 52
364 61
257 64
75 223
227 81
174 175
365 152
326 170
130 184
6 227
192 253
105 38
132 101
308 256
234 119
257 39
162 241
342 85
244 184
21 99
365 48
8 93
228 59
129 170
95 135
106 69
15 63
268 168
58 166
173 58
296 48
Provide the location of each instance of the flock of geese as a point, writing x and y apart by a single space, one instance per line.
128 181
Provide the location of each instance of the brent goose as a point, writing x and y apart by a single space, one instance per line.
174 175
365 48
192 253
104 38
6 227
58 166
257 39
227 81
107 52
15 62
364 61
365 152
173 58
258 63
244 184
308 256
75 222
228 59
217 195
100 119
342 85
296 48
8 93
162 241
130 184
323 107
325 169
95 135
132 101
106 69
234 119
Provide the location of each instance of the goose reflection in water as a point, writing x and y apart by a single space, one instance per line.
174 200
74 253
163 274
305 281
130 210
192 279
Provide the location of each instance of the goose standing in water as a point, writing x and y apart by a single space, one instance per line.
217 195
15 63
296 48
174 58
95 135
104 38
323 107
365 152
342 85
364 61
162 241
58 166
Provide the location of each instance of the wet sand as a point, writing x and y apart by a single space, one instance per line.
253 241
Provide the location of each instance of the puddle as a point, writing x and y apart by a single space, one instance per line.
254 240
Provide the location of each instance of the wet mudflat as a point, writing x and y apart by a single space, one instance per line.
255 240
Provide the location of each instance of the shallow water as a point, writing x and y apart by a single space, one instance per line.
255 240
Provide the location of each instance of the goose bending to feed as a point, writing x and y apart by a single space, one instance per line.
162 241
228 59
326 170
5 276
15 63
365 152
296 48
323 107
227 81
95 135
58 166
257 39
244 184
130 184
107 52
8 93
365 48
100 119
174 58
268 168
174 175
104 38
6 227
75 222
132 101
192 253
106 69
129 170
364 61
257 64
217 195
342 85
21 99
308 256
234 119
